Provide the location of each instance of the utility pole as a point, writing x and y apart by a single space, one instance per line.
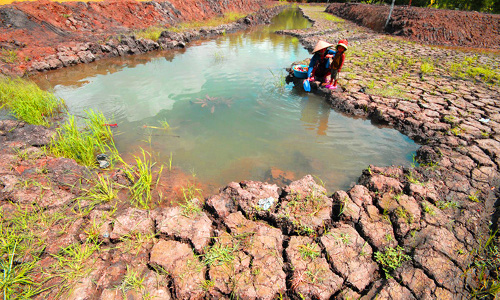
390 13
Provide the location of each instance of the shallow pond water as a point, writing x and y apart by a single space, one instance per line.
230 117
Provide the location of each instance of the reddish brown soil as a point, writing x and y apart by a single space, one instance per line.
36 29
433 26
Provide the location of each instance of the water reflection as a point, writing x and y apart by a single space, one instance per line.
228 120
315 115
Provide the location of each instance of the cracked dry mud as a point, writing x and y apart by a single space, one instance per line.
307 243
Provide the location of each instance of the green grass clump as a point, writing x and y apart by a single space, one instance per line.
484 270
27 102
132 281
151 33
191 205
218 255
309 251
16 282
102 190
142 176
9 56
83 144
426 68
391 259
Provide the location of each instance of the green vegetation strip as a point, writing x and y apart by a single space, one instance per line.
153 33
27 102
83 145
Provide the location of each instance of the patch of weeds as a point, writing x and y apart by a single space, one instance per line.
315 276
22 154
431 165
27 102
362 251
389 238
456 131
426 68
311 204
474 197
16 281
412 178
471 68
135 241
207 285
219 255
132 281
303 229
331 18
404 214
228 17
309 251
192 204
9 56
485 134
391 259
343 204
73 263
388 91
441 204
428 208
450 119
142 176
102 190
83 144
151 33
484 270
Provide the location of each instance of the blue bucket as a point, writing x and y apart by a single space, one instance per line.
300 71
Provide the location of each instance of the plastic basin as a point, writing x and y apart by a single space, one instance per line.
300 71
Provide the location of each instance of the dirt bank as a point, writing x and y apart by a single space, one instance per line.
428 25
32 32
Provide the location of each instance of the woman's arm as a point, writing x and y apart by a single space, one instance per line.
311 65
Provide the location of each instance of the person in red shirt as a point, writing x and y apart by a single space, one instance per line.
337 63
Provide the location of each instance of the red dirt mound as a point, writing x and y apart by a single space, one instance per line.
30 30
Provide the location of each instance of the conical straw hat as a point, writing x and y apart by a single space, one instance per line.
321 45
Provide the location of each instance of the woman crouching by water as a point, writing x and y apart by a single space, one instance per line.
319 67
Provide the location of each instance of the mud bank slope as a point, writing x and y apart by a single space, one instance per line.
434 26
31 31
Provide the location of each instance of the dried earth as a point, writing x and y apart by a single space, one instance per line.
256 240
427 25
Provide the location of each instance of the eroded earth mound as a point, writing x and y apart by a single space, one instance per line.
428 25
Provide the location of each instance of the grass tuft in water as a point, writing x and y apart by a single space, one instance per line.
84 144
27 102
278 80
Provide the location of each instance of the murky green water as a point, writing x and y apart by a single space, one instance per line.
229 118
